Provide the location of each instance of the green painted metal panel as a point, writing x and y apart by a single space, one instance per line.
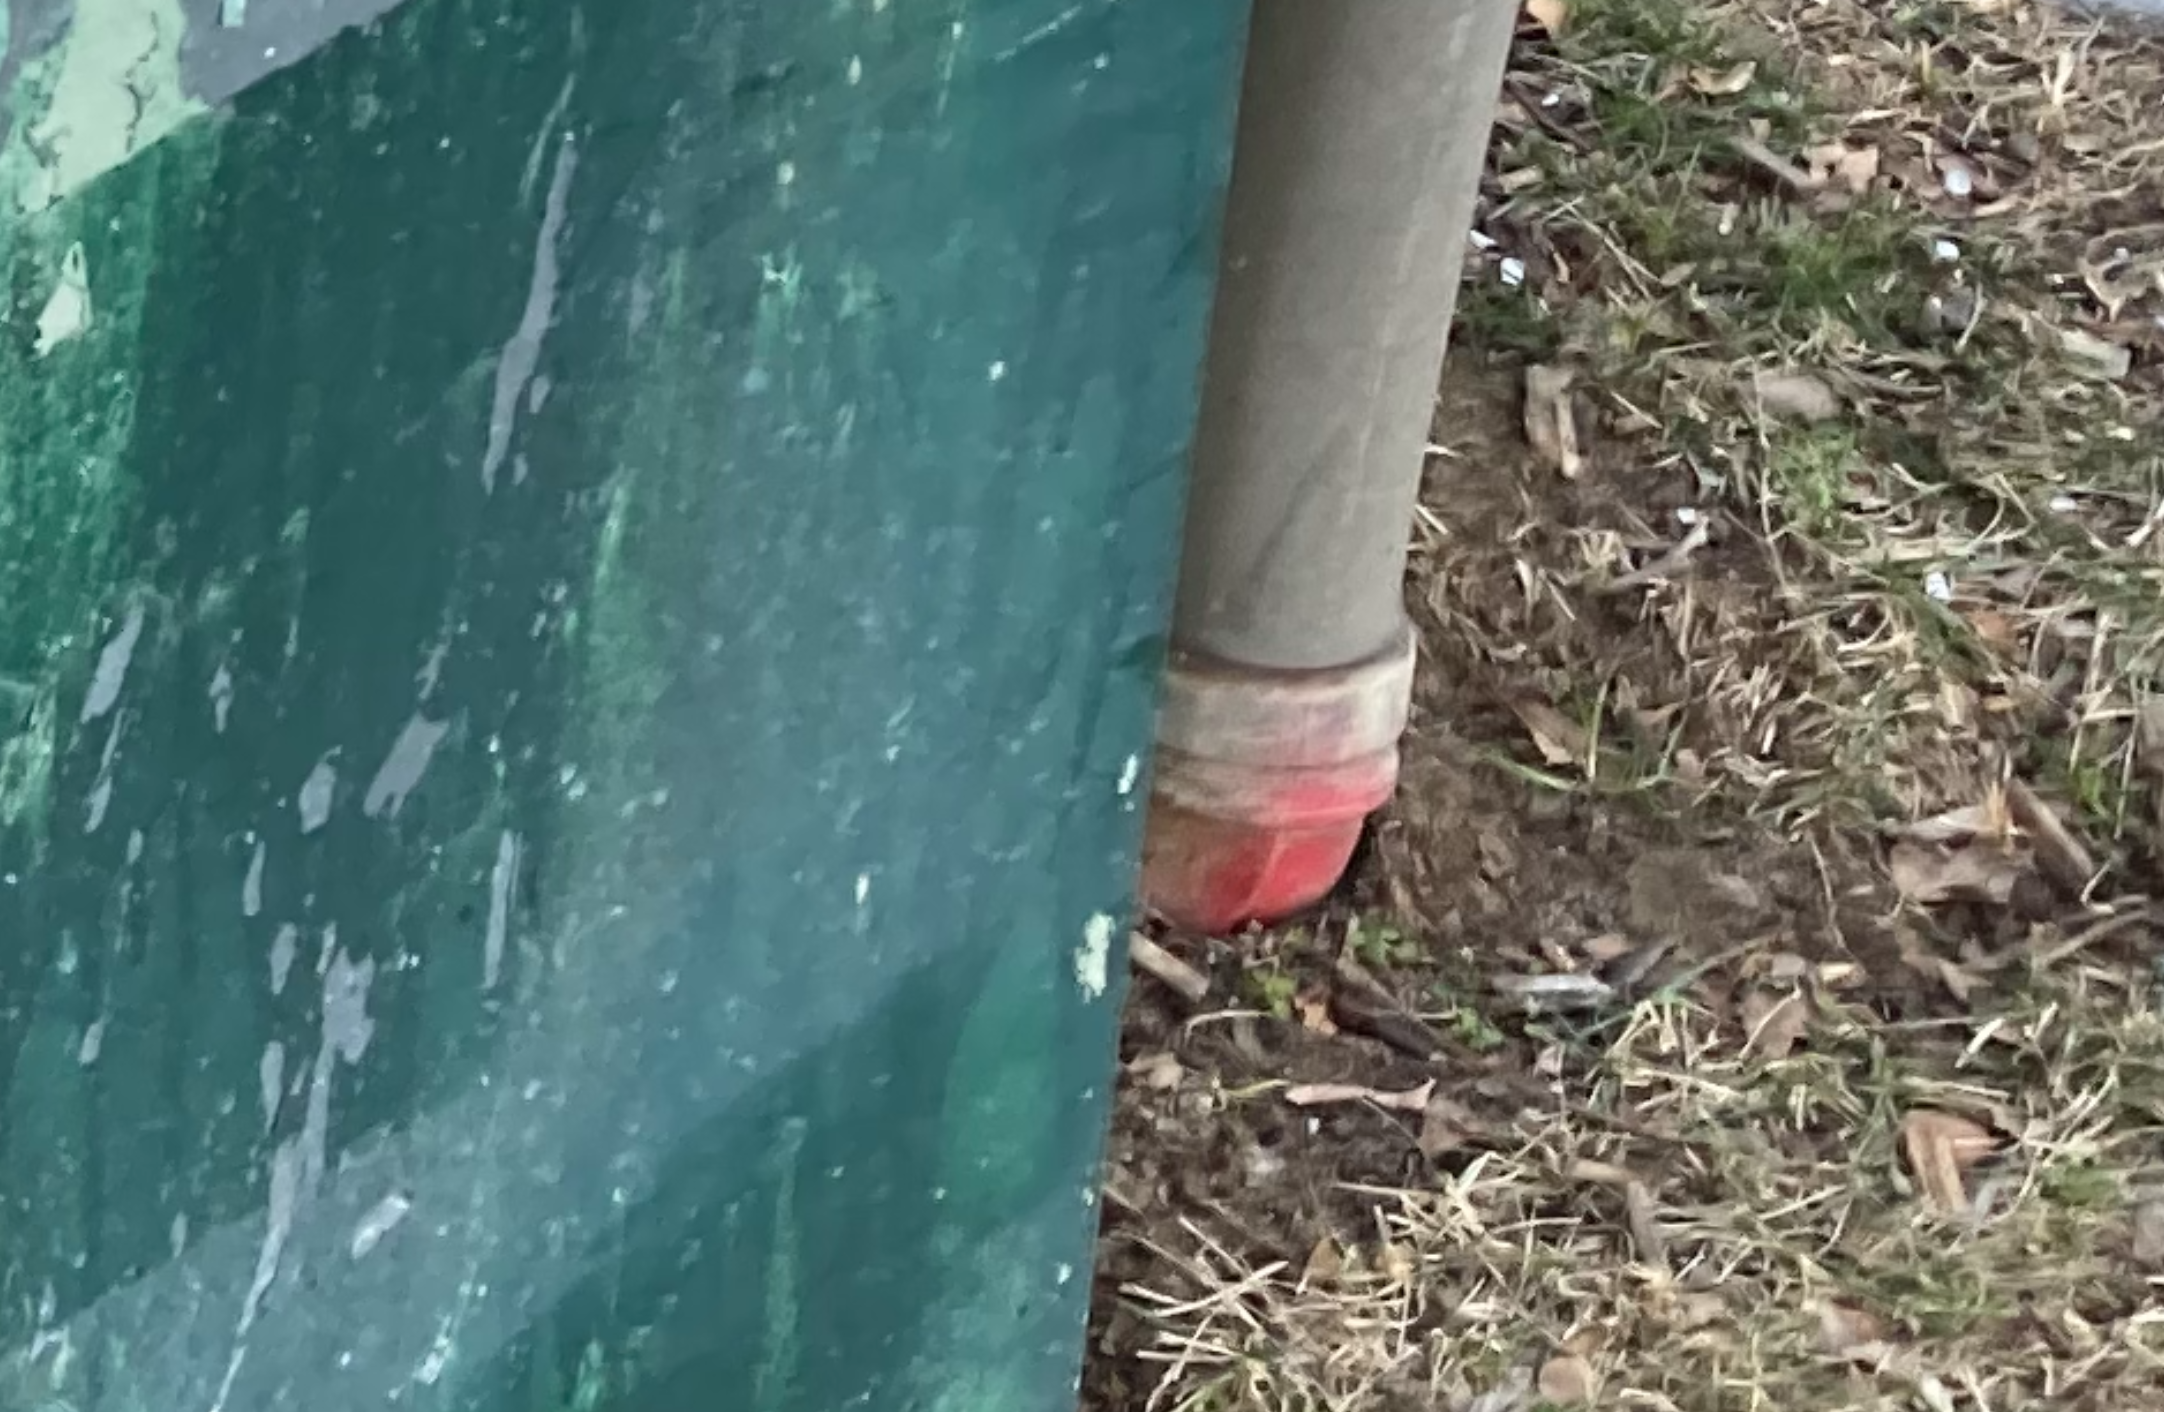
579 593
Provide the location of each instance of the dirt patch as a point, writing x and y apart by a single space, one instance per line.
1752 999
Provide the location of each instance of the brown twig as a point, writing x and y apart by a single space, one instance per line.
1155 960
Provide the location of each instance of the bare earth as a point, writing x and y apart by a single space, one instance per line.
1753 1001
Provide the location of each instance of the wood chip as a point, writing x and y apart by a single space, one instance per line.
2097 356
1551 426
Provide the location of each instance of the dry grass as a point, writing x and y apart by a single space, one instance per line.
1858 596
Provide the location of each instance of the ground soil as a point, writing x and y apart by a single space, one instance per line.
1600 1204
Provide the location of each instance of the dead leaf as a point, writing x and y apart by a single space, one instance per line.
1551 427
1844 1329
1774 1025
1324 1264
1445 1126
1724 83
1556 736
1412 1100
1941 1147
1695 1311
1853 169
1160 1071
1551 15
1312 1007
1927 875
1799 396
2062 857
1995 629
1567 1381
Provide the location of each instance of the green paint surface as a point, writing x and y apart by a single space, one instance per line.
578 587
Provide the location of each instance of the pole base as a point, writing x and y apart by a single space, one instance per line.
1263 782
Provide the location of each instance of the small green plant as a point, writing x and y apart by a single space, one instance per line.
1458 1014
1272 990
1380 946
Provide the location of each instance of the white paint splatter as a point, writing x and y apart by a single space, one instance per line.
112 669
67 311
221 697
521 354
1093 957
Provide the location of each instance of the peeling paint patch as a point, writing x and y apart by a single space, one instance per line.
116 89
251 886
401 770
271 1080
112 668
67 310
317 793
502 883
101 793
383 1218
285 948
521 354
1094 956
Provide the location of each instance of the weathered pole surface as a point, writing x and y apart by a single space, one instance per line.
580 590
1362 131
